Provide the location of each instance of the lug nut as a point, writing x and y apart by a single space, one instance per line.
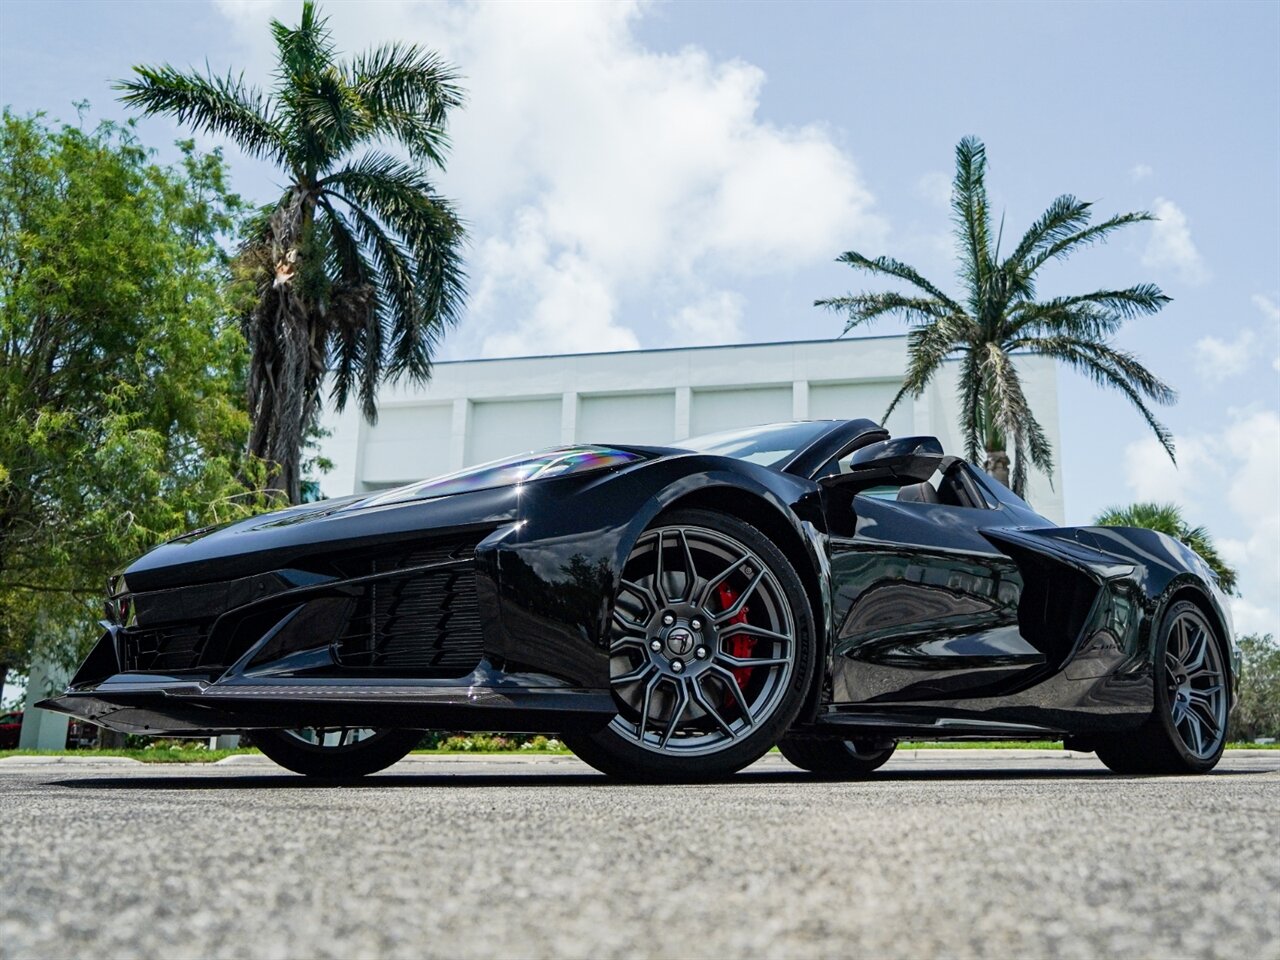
655 645
696 624
677 666
668 620
701 653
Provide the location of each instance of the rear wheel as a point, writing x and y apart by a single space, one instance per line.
711 651
838 758
336 753
1187 729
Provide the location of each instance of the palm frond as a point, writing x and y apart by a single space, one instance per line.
889 267
304 49
225 106
1063 218
1141 299
1108 367
927 347
972 215
1097 233
1010 409
408 92
970 400
862 308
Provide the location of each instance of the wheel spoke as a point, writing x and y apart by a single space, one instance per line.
735 608
645 594
1183 650
1196 743
1197 649
632 676
627 626
701 699
660 588
705 600
690 569
682 703
643 723
1206 715
759 633
730 660
731 682
629 642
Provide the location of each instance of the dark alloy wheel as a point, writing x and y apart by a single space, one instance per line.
711 652
837 758
336 753
1188 728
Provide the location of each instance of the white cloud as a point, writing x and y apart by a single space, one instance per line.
1269 308
1151 475
935 186
1170 246
1217 359
1140 171
604 180
716 318
1229 481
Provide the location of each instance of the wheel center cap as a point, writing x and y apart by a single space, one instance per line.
680 641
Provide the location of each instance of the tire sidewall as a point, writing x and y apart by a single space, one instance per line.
1163 707
344 763
608 750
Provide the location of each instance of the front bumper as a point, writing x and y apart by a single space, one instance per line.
487 699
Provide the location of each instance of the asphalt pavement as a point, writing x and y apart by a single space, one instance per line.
944 853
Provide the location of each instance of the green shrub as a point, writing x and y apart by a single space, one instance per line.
1257 712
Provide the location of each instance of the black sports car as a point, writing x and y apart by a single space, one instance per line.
673 613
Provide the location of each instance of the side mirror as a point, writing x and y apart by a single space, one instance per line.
898 462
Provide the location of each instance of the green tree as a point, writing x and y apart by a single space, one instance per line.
122 420
1167 519
1257 712
357 265
998 316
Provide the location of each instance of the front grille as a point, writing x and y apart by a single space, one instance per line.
426 622
176 647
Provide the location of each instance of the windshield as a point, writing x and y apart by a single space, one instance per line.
770 445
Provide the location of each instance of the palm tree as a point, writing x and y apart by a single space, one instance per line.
357 266
1167 518
998 317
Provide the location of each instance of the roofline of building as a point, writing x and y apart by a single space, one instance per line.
705 346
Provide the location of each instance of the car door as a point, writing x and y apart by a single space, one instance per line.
926 608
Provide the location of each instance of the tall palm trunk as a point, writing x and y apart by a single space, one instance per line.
997 464
287 337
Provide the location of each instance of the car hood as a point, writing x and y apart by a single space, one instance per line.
438 506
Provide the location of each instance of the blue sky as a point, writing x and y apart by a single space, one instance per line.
676 173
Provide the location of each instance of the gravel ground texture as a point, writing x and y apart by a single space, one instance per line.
943 853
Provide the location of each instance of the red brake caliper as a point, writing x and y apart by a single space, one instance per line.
739 645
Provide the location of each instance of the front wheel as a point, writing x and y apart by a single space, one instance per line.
838 758
1187 729
711 652
336 753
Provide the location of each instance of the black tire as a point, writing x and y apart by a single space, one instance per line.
631 757
837 758
347 762
1159 746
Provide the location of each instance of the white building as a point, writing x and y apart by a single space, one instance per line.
478 410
